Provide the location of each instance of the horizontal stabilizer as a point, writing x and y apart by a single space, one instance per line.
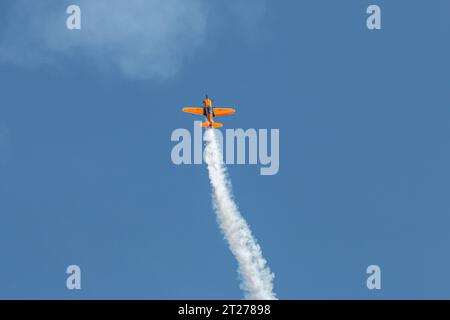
213 125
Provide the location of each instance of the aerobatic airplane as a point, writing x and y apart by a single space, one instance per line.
209 112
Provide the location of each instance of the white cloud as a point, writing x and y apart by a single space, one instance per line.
137 38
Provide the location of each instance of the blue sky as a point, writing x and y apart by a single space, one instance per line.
86 176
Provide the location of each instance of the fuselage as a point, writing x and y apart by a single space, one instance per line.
208 110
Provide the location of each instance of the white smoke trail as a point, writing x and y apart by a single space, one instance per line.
256 275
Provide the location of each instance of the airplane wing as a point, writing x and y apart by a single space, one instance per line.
223 111
198 111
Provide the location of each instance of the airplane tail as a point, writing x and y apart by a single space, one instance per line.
213 125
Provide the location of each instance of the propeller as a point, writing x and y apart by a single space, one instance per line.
207 97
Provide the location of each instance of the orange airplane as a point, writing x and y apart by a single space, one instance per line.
209 112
